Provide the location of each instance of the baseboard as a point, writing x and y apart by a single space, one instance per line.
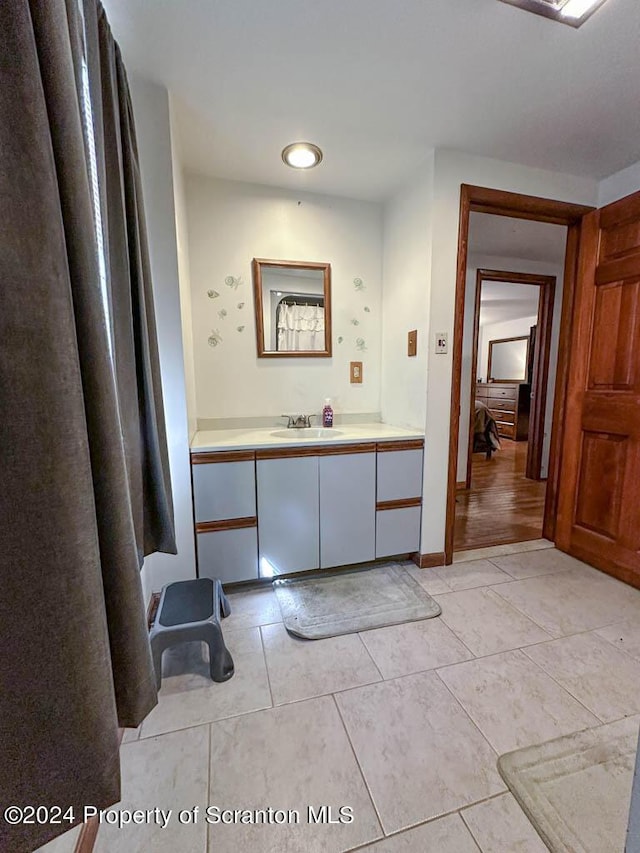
429 561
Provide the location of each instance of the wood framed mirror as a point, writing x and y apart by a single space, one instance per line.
508 359
293 308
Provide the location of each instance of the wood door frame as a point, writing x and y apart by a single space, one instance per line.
518 206
547 285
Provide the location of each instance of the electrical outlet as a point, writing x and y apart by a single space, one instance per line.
442 342
355 372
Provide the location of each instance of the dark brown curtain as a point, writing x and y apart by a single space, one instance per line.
84 484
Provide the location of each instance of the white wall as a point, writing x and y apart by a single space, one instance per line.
451 170
184 276
406 282
151 109
619 185
229 224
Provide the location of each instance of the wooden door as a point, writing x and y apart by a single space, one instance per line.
599 495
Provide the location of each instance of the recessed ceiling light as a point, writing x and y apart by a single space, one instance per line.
572 12
302 155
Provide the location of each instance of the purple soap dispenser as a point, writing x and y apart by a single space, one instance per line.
327 413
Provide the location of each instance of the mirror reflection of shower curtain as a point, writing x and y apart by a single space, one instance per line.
300 328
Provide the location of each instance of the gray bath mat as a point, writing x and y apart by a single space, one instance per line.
576 789
352 600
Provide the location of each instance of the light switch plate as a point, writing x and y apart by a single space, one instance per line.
355 372
442 342
412 343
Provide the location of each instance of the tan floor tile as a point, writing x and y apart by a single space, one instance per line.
420 754
167 772
429 580
190 698
513 702
535 563
288 757
300 669
624 636
486 623
500 826
445 835
573 601
252 608
605 680
414 647
472 574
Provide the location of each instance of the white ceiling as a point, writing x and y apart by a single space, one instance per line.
501 301
378 83
516 238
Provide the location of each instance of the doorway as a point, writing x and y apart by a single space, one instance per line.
496 202
500 498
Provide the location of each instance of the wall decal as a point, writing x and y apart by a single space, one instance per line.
241 305
355 322
212 294
367 309
240 328
358 283
214 338
361 345
232 281
222 313
340 339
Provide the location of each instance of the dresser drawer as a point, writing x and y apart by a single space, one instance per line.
501 404
504 417
504 391
506 430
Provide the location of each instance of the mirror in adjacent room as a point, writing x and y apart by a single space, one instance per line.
293 308
508 359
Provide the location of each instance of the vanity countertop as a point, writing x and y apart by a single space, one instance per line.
245 439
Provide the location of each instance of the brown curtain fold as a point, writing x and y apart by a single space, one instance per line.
85 489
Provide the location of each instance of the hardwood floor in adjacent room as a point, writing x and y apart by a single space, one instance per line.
502 505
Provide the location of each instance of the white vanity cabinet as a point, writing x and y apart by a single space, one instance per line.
288 511
399 497
348 506
224 505
279 510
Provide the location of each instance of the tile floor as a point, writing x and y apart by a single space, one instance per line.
402 724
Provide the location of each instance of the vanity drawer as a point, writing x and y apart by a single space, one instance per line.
397 531
399 474
230 555
224 490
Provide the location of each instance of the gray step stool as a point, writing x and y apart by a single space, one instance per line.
190 610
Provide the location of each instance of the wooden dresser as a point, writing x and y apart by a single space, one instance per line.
509 405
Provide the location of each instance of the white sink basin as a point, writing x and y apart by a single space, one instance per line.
308 433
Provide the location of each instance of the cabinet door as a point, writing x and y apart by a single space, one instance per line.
347 509
223 490
228 555
288 513
399 474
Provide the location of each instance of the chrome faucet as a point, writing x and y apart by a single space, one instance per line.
298 421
